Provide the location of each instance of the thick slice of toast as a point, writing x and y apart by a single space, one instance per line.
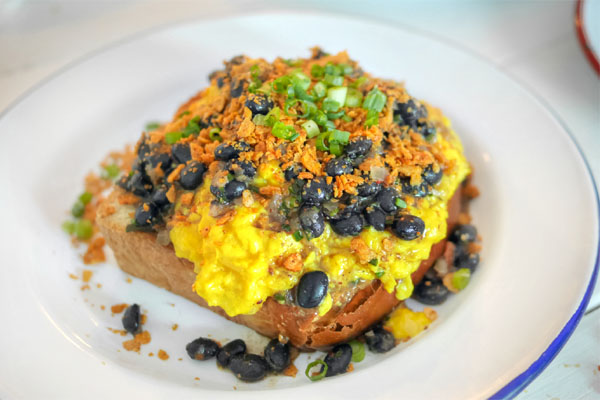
139 254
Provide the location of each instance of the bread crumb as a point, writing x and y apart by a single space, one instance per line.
430 313
151 354
138 340
121 332
196 379
291 371
99 285
87 275
74 277
174 327
143 319
128 280
293 262
163 355
102 308
85 287
118 308
95 252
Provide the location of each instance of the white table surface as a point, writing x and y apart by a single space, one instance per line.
534 41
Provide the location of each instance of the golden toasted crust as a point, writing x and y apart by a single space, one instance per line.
140 255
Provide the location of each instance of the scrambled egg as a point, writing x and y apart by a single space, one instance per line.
238 265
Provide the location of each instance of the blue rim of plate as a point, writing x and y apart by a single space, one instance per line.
520 382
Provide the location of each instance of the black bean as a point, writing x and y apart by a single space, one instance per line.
419 190
219 193
242 167
227 151
234 189
350 226
316 191
312 221
338 359
145 214
408 227
160 158
132 319
202 349
339 166
220 82
192 175
292 172
463 234
379 340
408 112
387 199
236 88
368 189
426 129
358 147
375 217
430 292
312 289
139 184
232 348
181 152
159 196
470 261
249 367
259 104
277 355
432 177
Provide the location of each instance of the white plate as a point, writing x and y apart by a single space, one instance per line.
537 214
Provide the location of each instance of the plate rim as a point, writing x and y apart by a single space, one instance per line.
583 39
511 389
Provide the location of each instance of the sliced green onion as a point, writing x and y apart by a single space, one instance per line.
319 90
359 82
84 229
302 94
183 114
329 125
284 131
374 262
400 203
353 98
333 80
111 171
279 297
375 100
289 103
461 278
330 105
379 273
341 137
272 116
320 144
259 119
292 62
336 115
345 69
215 134
358 350
152 126
68 227
78 209
321 374
337 94
172 137
372 118
311 128
335 148
301 80
332 69
320 118
255 71
281 84
85 197
346 118
298 236
317 71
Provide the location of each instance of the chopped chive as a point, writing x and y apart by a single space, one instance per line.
318 376
333 80
372 118
335 148
341 137
345 69
259 119
358 350
461 278
83 229
400 203
330 105
353 98
375 100
110 171
68 227
298 236
346 118
337 94
183 114
320 144
152 126
286 227
215 134
317 71
319 90
78 209
374 262
379 273
332 69
311 128
336 115
85 197
284 131
279 297
359 82
172 137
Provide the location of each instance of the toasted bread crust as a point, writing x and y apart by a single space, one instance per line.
140 255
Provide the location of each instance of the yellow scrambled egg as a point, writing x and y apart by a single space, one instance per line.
238 265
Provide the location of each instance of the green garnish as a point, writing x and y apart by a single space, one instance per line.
152 126
215 134
298 236
319 90
320 144
353 98
330 105
320 375
172 137
400 203
256 82
68 227
374 262
341 137
379 273
110 171
333 80
78 209
183 114
284 131
374 103
279 297
85 197
358 350
337 94
317 71
311 128
83 229
461 278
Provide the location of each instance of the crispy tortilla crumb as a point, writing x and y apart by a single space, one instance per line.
362 250
196 378
87 275
291 371
163 355
118 331
474 248
448 282
118 308
151 354
138 340
102 308
174 327
128 280
95 253
99 285
85 287
430 313
350 367
73 276
293 262
471 191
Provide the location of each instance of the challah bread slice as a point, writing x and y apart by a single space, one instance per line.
140 254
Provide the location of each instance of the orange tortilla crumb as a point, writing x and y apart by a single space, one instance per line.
73 276
87 275
85 287
143 319
293 262
196 379
174 327
364 252
118 331
128 199
163 355
136 343
94 253
118 308
187 198
103 308
350 368
291 371
471 191
128 280
151 354
474 248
